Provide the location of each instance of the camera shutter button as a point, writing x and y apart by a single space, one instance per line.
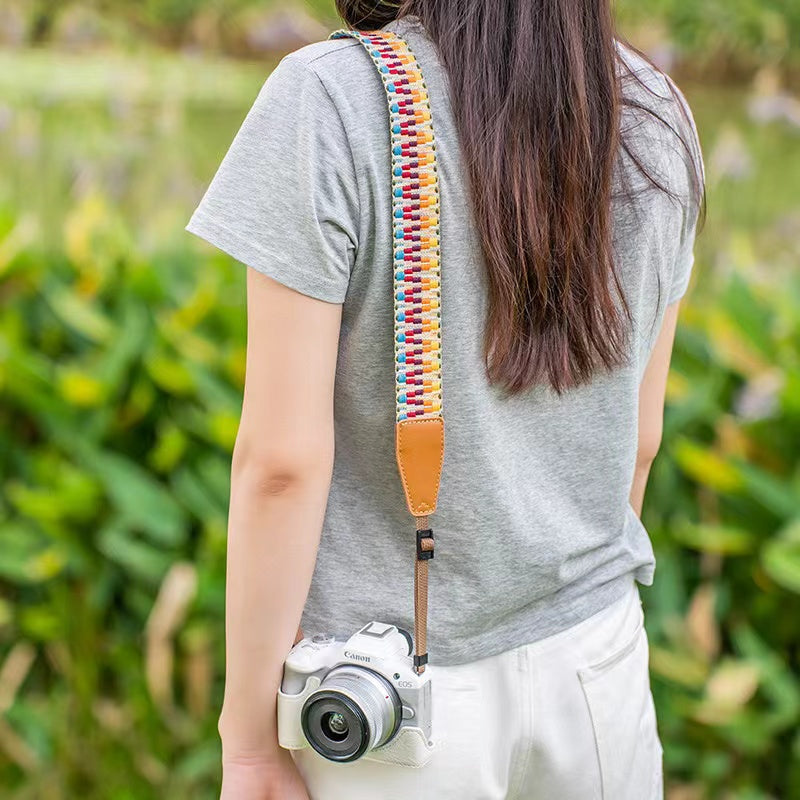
322 638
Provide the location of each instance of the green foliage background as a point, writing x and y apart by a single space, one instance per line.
121 367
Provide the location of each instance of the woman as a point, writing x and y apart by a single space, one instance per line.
571 185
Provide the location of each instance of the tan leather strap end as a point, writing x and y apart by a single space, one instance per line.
420 453
425 548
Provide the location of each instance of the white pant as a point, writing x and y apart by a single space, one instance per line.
569 717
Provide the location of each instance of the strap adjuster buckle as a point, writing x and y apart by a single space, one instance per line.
424 555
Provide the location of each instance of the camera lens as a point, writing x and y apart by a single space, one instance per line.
354 710
335 725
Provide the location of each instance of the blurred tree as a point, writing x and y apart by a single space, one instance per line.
43 18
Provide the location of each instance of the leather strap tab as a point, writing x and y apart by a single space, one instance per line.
425 546
420 453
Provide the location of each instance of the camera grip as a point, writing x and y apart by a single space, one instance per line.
290 731
410 748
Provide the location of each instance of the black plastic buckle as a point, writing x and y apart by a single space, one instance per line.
420 660
424 555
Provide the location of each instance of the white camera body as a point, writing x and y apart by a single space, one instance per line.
358 698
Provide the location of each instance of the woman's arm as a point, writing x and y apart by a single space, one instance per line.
280 478
651 405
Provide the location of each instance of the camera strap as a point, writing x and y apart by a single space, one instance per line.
419 424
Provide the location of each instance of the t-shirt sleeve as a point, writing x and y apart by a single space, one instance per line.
691 170
284 200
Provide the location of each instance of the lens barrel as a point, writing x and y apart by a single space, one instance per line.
355 709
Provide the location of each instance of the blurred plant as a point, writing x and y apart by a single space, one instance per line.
121 365
43 15
743 33
723 505
756 31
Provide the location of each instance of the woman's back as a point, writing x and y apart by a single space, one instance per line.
534 529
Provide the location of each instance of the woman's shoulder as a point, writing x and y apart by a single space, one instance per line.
328 59
648 86
337 72
636 70
655 109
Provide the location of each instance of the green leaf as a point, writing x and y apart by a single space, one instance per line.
774 493
26 557
140 500
725 540
707 467
80 315
781 561
134 555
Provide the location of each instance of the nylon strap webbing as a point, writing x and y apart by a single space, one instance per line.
416 285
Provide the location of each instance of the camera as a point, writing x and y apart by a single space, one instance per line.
357 698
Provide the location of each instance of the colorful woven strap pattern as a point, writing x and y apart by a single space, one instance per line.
415 202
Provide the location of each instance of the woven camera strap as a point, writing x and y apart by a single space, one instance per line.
419 424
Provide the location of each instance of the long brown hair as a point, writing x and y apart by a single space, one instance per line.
537 99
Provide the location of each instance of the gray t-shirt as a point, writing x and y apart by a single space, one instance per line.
533 529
